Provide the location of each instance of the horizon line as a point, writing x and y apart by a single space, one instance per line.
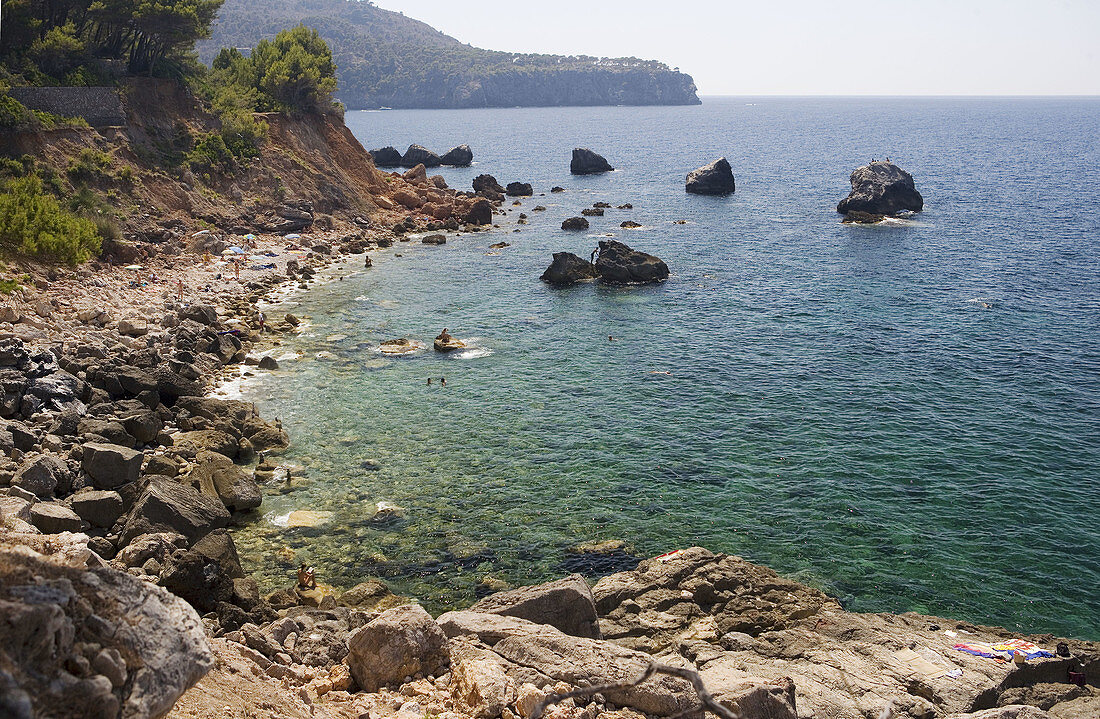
919 95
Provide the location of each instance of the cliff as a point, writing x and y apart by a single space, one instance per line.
385 59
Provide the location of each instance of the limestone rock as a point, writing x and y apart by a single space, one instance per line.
100 508
566 604
167 506
619 264
568 269
109 465
480 685
881 188
41 474
461 156
586 162
713 179
51 518
51 613
401 642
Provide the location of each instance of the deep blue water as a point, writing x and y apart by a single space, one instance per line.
840 404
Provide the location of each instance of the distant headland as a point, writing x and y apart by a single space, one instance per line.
387 60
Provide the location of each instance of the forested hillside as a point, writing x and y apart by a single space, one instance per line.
385 59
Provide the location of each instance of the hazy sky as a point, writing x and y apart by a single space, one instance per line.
815 47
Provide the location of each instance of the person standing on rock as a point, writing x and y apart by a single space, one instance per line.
179 291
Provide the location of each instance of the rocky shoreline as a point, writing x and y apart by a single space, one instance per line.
124 473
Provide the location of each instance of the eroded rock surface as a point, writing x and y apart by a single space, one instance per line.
881 188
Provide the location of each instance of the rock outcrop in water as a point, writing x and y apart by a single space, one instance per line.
575 223
568 269
461 156
386 157
586 162
713 179
881 188
619 264
420 155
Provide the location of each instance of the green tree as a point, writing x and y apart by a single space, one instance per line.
33 223
296 69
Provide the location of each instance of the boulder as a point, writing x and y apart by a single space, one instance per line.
41 474
212 440
144 426
487 182
267 362
386 157
575 223
586 162
143 646
881 188
592 212
619 264
434 240
444 342
215 475
460 156
51 518
133 327
168 506
198 579
481 213
519 189
369 595
565 603
417 174
98 507
713 179
110 465
419 155
568 269
203 314
480 685
488 628
401 642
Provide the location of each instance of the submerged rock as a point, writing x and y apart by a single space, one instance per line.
586 162
460 156
713 179
881 188
619 264
568 269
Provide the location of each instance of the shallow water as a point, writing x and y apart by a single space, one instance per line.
906 415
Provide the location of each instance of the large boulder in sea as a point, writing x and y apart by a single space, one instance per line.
881 188
386 157
460 156
619 264
80 641
519 189
481 213
713 179
575 223
568 269
485 182
586 162
419 155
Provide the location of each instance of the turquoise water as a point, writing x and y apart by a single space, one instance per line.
836 402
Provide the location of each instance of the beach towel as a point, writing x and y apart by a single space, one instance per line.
999 650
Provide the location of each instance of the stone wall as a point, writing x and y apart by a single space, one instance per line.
100 106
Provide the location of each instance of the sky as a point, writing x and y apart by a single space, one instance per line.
807 47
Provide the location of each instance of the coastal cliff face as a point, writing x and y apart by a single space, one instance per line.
533 88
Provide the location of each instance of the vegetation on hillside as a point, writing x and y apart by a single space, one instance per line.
33 222
386 59
76 42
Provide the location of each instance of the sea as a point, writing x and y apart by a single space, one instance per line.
905 415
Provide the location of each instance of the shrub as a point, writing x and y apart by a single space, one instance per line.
33 223
89 164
